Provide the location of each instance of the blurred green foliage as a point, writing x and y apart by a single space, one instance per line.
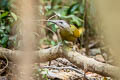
7 17
69 10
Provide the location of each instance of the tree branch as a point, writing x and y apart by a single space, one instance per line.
91 64
76 58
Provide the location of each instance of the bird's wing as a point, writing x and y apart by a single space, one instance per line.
77 32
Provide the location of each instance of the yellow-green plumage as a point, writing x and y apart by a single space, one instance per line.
66 35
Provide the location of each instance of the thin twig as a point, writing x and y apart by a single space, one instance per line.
47 19
86 29
5 65
76 70
52 16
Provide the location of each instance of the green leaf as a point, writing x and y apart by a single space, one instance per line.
1 31
4 40
3 3
81 9
74 19
61 12
73 8
7 29
14 16
46 41
2 27
48 7
4 14
53 43
50 12
56 7
54 27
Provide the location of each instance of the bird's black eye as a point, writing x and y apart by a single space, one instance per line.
61 22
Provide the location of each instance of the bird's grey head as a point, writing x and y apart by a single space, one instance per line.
61 23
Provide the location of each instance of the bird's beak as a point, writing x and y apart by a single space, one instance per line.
53 21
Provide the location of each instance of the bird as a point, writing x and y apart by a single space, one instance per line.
68 32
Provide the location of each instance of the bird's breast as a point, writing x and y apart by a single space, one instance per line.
66 35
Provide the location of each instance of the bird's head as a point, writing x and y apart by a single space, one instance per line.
61 23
